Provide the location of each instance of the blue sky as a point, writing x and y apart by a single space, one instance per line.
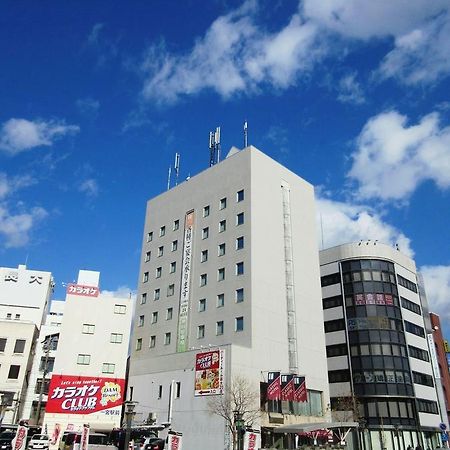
96 98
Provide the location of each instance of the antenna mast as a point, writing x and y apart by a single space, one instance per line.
214 147
245 134
168 178
177 167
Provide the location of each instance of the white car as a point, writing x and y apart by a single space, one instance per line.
39 442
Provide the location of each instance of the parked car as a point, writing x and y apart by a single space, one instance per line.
39 442
5 439
154 443
97 441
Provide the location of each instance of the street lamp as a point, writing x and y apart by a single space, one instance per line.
129 413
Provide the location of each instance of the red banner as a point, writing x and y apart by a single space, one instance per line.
300 394
274 386
79 289
209 372
287 387
84 395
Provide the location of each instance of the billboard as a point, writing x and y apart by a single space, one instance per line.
79 289
209 367
70 394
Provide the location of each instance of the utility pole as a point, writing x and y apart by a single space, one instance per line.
129 413
46 345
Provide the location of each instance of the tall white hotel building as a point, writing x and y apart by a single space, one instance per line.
230 263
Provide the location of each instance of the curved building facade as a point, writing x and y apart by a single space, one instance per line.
379 363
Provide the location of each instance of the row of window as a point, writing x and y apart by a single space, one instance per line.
377 349
9 316
427 406
19 346
411 306
85 360
359 287
376 264
380 362
418 353
423 378
115 338
369 336
407 284
201 330
206 213
369 275
382 376
414 329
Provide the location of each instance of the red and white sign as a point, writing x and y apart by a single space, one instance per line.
274 386
84 441
79 289
174 441
20 440
55 434
209 372
84 395
287 387
252 440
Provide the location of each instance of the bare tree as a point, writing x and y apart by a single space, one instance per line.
241 397
347 409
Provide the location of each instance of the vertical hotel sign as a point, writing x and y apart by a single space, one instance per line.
182 340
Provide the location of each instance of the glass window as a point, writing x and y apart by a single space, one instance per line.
203 279
13 373
156 294
221 249
158 272
223 203
240 195
167 338
205 233
204 256
161 251
239 295
150 236
108 368
201 331
141 321
152 341
173 267
219 328
174 245
240 243
176 225
2 344
206 211
221 274
222 226
162 231
169 313
154 316
145 277
19 346
240 218
143 298
202 304
83 360
120 309
240 268
148 256
220 300
239 323
87 329
170 290
116 338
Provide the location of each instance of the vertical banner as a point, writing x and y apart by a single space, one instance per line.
20 440
209 373
55 434
287 387
300 394
273 386
84 440
252 440
182 339
174 441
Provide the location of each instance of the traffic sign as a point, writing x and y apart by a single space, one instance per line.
442 426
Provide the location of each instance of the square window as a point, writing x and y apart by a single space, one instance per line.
17 317
222 226
13 373
204 256
240 218
84 360
221 274
240 243
19 346
240 195
148 256
203 279
201 331
120 309
108 368
2 344
158 272
156 294
202 304
221 249
206 211
176 225
219 328
169 313
154 316
205 233
174 245
239 295
173 267
150 236
143 298
160 251
220 300
141 321
240 268
162 231
145 277
152 341
87 328
223 203
116 338
170 290
239 323
167 338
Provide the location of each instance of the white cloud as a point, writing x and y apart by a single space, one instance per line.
9 185
88 106
120 292
349 90
392 158
346 222
89 187
18 135
15 228
437 287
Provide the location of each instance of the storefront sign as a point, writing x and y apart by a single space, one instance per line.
84 395
209 368
20 440
79 289
252 440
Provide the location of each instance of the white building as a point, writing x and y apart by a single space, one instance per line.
377 345
88 379
230 263
24 297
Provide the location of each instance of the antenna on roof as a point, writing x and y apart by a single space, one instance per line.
245 134
168 177
214 147
177 167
